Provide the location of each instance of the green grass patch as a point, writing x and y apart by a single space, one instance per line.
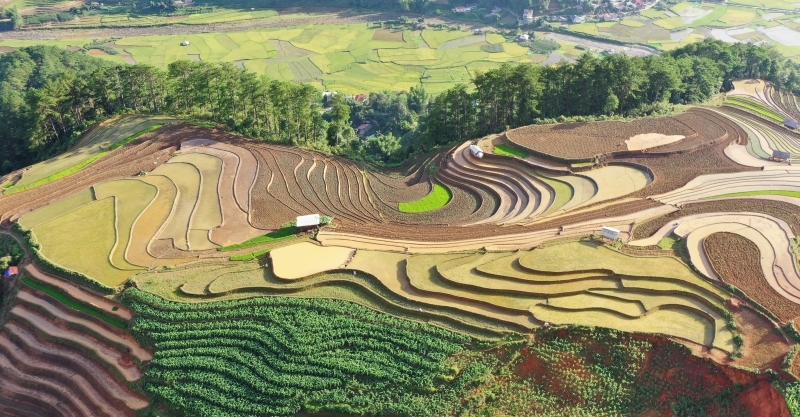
506 150
438 197
71 303
280 234
759 192
667 243
250 256
57 175
581 164
82 165
134 136
755 107
7 185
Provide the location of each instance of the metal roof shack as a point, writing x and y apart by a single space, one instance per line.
609 233
791 124
476 151
780 155
307 222
11 272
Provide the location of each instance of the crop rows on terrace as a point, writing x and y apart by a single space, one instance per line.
523 289
57 361
737 262
281 356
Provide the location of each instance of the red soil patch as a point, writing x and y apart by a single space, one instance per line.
668 369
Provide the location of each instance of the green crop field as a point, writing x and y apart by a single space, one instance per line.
509 151
348 58
438 197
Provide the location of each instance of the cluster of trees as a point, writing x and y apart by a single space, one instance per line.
49 96
614 85
14 19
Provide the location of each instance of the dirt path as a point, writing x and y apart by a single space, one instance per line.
124 339
78 293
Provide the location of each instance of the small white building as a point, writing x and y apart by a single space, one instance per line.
524 38
476 151
307 222
527 15
185 43
609 233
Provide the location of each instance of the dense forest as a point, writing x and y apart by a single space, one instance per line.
49 96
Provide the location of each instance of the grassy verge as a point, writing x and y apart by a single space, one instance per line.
250 256
438 197
759 192
280 234
69 302
7 185
84 164
505 150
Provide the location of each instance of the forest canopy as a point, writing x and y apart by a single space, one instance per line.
49 96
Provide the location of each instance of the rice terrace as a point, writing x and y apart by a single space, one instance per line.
397 209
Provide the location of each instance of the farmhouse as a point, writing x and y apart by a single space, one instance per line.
307 222
791 124
527 15
464 9
780 156
577 19
363 129
524 38
11 272
609 233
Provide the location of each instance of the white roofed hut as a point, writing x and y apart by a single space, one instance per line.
307 222
476 151
609 233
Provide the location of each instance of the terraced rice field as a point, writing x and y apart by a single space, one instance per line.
507 251
92 146
58 361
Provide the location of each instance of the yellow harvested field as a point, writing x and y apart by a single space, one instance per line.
131 198
679 323
305 259
616 181
67 241
208 213
153 218
187 178
199 240
59 208
650 140
585 256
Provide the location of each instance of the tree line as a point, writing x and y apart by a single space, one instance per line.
612 85
49 96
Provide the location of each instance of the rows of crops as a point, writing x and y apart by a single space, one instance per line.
278 356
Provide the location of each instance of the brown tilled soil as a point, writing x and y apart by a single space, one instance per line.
737 260
435 233
587 140
782 210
